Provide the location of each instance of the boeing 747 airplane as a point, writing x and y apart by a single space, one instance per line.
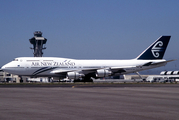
84 70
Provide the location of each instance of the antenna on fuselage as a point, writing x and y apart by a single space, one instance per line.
38 43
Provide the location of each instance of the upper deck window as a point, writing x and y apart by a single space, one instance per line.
15 59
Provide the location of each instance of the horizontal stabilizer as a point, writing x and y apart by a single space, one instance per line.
147 64
163 62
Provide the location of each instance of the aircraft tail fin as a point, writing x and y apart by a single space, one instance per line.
156 50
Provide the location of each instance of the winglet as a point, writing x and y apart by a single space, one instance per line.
156 50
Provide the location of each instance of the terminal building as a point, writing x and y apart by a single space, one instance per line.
165 76
10 78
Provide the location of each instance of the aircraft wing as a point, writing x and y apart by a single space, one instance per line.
58 71
163 62
92 70
121 69
85 71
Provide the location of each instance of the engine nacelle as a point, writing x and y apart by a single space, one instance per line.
103 73
74 75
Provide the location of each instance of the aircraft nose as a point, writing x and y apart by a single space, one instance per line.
7 67
4 68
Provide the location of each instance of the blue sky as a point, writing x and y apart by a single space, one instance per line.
88 29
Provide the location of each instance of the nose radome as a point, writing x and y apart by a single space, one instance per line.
3 67
6 67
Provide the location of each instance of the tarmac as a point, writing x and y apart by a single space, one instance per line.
89 102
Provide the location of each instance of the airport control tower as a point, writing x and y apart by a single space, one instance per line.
38 41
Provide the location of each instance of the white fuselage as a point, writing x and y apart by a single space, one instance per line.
51 66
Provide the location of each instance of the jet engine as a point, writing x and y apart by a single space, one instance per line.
74 75
103 73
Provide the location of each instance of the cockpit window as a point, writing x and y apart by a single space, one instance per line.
15 59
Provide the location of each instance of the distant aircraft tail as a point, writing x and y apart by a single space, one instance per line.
156 50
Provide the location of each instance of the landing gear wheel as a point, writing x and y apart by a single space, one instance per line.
86 79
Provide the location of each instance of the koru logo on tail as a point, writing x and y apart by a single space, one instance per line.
157 48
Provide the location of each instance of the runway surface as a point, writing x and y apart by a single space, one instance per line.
91 102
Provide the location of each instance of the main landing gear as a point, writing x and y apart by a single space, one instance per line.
85 79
